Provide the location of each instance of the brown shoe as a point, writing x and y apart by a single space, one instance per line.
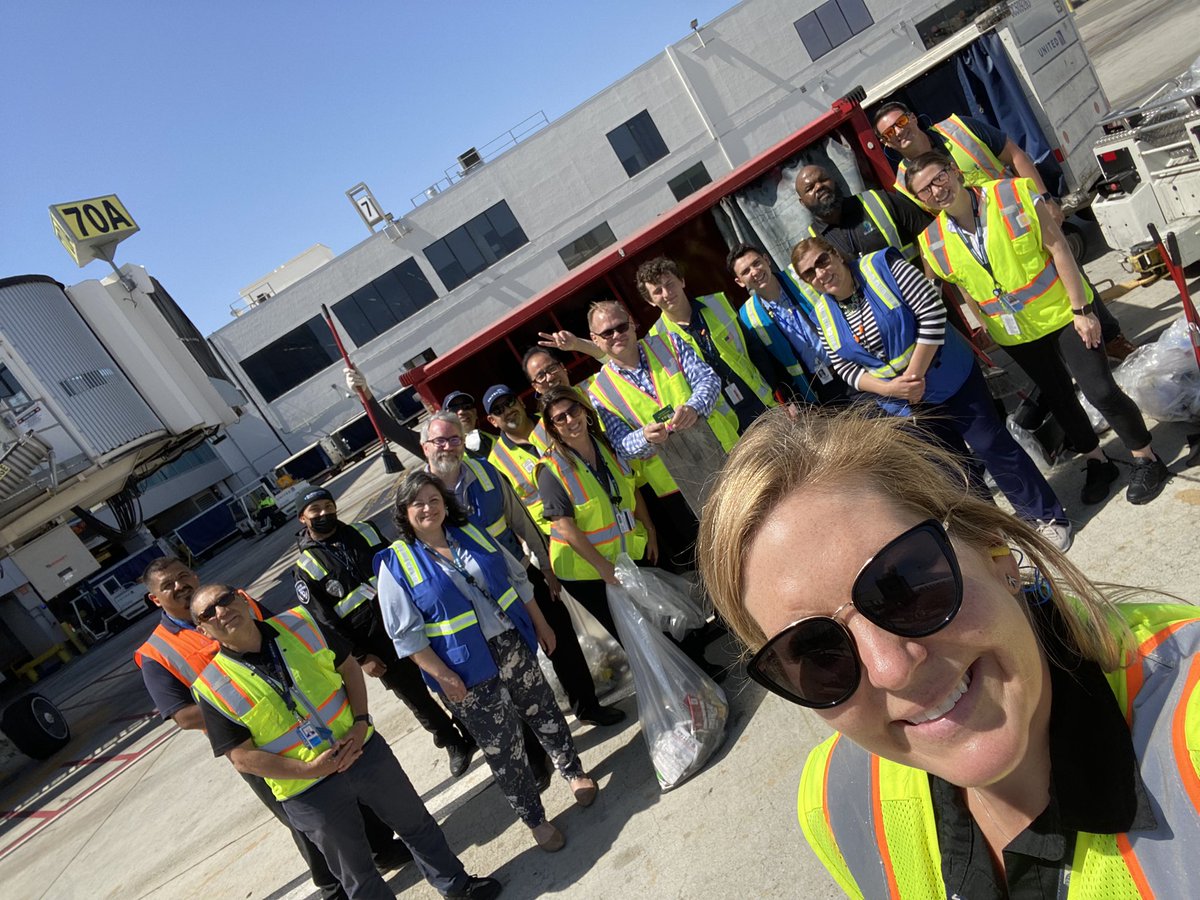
585 790
1119 348
548 837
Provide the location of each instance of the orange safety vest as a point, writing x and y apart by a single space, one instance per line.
186 652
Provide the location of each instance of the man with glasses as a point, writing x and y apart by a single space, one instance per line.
335 579
478 442
492 504
285 702
170 661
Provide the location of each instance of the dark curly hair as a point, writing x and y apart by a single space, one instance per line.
653 272
406 492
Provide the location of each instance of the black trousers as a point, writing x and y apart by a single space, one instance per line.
677 528
568 660
403 678
1051 360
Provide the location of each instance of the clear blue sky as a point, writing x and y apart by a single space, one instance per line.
231 131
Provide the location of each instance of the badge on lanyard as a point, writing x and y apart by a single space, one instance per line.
313 735
625 520
823 374
1008 317
733 393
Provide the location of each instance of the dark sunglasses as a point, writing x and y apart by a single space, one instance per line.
912 588
609 333
567 414
210 611
823 262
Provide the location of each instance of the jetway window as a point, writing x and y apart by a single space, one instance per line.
385 302
587 245
689 181
292 359
832 24
637 143
473 247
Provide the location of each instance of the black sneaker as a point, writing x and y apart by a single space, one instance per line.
1149 477
460 757
1100 476
600 715
476 888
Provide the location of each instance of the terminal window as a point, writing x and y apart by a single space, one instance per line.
385 302
689 181
471 248
292 359
637 143
587 245
832 24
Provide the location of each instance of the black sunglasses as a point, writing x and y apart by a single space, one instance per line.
210 611
609 333
912 587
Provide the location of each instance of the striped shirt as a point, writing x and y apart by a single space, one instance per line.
916 293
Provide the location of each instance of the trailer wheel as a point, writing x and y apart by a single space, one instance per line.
35 726
1076 240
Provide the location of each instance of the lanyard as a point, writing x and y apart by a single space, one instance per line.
977 246
280 679
343 556
857 304
603 473
458 562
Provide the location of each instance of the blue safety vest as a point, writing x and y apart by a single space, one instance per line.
450 622
485 504
757 317
898 327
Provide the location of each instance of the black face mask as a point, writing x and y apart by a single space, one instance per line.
323 524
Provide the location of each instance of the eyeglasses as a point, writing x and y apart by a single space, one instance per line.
912 588
609 333
504 404
547 373
892 131
443 442
567 414
209 612
824 262
941 179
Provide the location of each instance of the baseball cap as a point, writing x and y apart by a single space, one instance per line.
494 393
455 395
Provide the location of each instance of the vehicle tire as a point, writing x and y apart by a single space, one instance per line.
1077 241
35 726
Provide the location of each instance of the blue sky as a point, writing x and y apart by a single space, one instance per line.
231 131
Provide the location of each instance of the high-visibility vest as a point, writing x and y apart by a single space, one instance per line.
637 408
726 334
880 213
183 653
595 515
451 624
1022 269
898 328
871 821
241 695
517 463
311 564
972 156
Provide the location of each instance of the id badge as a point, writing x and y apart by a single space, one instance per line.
823 374
368 591
733 394
313 735
625 520
664 415
1009 321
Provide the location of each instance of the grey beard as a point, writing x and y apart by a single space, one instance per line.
442 467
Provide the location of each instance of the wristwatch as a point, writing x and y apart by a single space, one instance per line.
1085 310
365 718
1048 197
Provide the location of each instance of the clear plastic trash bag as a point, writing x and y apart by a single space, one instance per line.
681 710
664 599
1162 378
605 658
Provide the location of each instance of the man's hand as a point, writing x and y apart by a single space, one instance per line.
372 665
355 382
553 585
559 340
608 572
452 687
338 759
651 546
1055 211
352 745
1088 328
656 432
685 417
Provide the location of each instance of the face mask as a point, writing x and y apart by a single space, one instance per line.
323 524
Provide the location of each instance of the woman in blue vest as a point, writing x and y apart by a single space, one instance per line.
1003 728
884 327
462 608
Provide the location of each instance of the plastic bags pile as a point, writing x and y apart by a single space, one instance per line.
1162 378
682 711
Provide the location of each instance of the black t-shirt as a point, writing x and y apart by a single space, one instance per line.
225 734
856 234
555 499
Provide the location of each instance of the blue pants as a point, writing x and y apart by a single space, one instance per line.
969 416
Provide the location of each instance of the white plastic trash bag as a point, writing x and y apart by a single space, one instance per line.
681 710
663 598
1162 378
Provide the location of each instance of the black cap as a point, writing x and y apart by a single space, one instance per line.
312 497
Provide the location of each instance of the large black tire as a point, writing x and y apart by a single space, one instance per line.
1076 240
35 726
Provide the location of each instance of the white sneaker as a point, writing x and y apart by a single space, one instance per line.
1057 533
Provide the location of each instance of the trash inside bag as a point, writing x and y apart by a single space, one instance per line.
682 711
605 659
1162 378
663 598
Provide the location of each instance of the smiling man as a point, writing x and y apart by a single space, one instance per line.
284 703
862 223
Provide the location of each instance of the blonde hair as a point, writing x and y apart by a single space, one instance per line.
605 305
779 455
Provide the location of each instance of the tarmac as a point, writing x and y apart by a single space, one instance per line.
135 808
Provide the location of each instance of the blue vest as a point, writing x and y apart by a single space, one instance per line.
898 327
450 623
757 317
485 504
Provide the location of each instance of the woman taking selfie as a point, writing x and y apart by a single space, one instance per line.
463 609
1002 728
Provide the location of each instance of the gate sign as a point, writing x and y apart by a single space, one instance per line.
91 229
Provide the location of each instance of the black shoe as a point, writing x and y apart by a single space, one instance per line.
476 888
542 774
600 715
1100 476
460 757
393 857
1149 477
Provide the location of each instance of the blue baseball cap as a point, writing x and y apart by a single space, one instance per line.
454 395
494 393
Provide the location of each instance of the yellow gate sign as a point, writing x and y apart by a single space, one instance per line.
91 229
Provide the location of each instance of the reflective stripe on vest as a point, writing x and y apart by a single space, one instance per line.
498 526
727 323
311 566
825 315
162 651
881 215
975 160
608 394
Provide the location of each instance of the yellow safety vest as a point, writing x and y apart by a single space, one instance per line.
726 334
311 565
878 212
871 821
241 695
1024 272
972 156
595 515
517 463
